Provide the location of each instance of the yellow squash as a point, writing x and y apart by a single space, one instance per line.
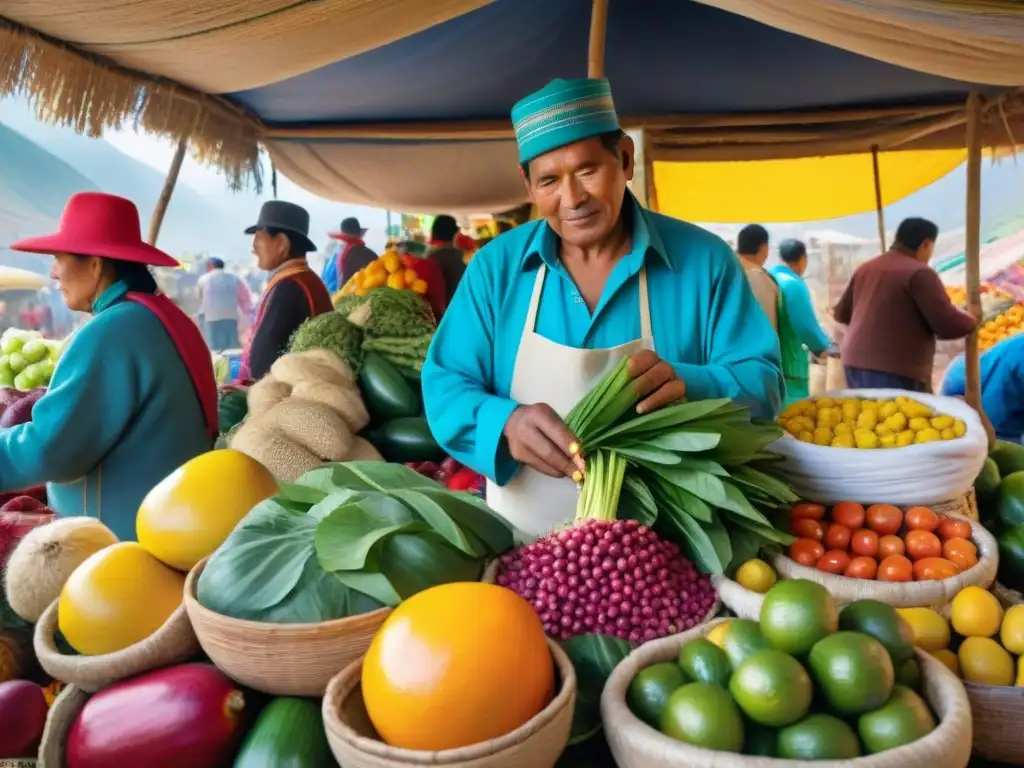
190 513
117 597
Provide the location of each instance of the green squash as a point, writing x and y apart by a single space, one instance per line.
986 485
1009 457
1011 499
232 408
1011 557
289 733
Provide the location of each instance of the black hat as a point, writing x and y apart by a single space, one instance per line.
287 217
351 226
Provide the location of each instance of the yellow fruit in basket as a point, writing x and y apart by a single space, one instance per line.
931 631
191 511
823 436
420 287
117 597
374 280
825 402
1011 634
887 441
888 409
396 281
376 268
905 438
456 665
975 612
842 429
986 662
882 430
392 261
959 428
927 436
865 438
1019 683
947 434
919 423
942 422
842 441
867 420
869 405
411 276
897 422
948 659
756 575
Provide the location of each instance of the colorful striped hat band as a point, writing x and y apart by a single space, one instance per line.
561 113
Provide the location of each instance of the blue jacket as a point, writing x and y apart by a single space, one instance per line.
1002 386
120 415
797 323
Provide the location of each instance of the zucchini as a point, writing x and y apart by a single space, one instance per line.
407 440
289 733
386 392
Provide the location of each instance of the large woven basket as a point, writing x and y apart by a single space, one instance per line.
914 594
536 744
636 745
280 659
998 712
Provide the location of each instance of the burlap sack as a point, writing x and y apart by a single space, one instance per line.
266 393
59 720
286 460
315 427
363 450
315 365
347 403
173 643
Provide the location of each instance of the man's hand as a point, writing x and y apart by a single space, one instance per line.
655 380
538 438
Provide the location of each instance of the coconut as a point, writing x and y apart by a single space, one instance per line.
44 559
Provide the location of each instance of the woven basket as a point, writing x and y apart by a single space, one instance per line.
280 659
536 744
636 745
915 594
173 643
62 714
998 711
1007 597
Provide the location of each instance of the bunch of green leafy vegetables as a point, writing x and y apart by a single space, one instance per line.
346 539
697 472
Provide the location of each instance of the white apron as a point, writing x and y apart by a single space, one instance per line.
547 372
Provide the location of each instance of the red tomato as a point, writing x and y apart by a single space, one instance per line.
895 568
922 544
862 568
848 513
806 551
806 528
890 545
807 511
934 568
837 537
834 561
864 543
884 518
921 519
952 528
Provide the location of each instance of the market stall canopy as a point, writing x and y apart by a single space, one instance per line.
13 279
404 103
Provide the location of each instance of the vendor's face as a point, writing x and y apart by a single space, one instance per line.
271 251
80 279
579 189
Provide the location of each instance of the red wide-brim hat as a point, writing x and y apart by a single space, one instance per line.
98 224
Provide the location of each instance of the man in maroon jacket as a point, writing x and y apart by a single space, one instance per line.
896 306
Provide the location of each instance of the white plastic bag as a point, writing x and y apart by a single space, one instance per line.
917 474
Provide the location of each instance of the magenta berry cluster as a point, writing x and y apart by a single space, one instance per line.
611 578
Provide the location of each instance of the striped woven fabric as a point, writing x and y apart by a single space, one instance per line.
563 112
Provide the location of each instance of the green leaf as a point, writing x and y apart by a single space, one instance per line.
738 503
764 531
686 533
703 485
719 536
345 537
745 545
413 563
376 585
473 514
670 494
364 476
639 503
317 597
644 453
662 420
302 494
593 657
764 482
703 465
333 501
438 519
686 441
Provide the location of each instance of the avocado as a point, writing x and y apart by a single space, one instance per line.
1009 457
1011 499
882 622
288 732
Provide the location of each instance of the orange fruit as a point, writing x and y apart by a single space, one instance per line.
456 665
862 568
951 528
805 528
934 568
806 510
960 552
848 513
884 518
895 568
864 543
837 536
890 545
921 519
834 561
922 544
806 551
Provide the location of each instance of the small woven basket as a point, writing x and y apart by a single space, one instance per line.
635 744
280 659
538 743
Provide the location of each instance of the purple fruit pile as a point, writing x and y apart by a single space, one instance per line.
610 578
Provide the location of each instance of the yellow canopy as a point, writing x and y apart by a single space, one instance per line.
806 189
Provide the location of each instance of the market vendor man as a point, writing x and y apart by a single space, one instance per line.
133 396
544 311
294 292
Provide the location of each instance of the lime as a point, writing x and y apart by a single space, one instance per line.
772 688
704 715
797 614
854 672
704 662
901 720
818 737
909 674
651 688
742 640
882 622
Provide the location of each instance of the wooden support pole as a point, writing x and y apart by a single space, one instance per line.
879 208
650 187
972 251
598 35
165 196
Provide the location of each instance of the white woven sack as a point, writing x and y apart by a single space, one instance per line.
917 474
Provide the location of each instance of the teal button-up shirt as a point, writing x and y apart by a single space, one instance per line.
705 319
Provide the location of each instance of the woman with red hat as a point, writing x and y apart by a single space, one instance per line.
133 396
